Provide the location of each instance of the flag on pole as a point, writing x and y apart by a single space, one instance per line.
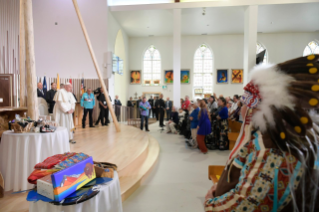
70 81
58 83
45 88
82 86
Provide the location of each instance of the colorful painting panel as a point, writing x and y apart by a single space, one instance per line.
169 76
69 180
222 76
237 76
185 76
135 77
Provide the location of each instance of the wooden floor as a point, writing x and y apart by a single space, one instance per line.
132 150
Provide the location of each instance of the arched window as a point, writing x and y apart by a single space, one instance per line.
311 48
203 69
260 48
152 66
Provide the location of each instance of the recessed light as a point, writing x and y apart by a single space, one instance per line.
207 24
204 34
270 22
151 36
259 32
147 27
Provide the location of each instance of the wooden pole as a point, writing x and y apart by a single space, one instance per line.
22 55
109 104
33 110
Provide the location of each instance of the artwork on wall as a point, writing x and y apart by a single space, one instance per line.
185 76
135 77
157 82
222 75
237 76
169 76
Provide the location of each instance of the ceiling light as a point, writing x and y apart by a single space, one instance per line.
207 24
151 36
204 11
204 34
259 32
148 27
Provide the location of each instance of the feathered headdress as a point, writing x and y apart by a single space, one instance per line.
281 94
282 97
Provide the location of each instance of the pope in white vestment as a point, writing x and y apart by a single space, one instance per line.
64 107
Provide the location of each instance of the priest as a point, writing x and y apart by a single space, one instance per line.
63 109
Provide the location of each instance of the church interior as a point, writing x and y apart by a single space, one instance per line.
159 105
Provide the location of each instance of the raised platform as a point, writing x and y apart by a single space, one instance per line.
134 151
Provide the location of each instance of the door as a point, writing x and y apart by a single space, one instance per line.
5 91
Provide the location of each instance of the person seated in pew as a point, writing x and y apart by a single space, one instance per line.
173 121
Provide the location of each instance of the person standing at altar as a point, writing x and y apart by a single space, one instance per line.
40 90
160 110
118 105
151 101
88 102
50 96
144 107
104 110
63 109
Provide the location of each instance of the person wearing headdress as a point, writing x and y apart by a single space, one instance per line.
274 164
64 108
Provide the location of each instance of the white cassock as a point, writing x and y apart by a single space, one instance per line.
64 102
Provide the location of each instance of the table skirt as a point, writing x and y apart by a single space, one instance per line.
20 152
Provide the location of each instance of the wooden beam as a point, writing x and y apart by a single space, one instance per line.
22 55
200 4
109 104
32 103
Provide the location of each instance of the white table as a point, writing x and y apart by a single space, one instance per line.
20 152
108 200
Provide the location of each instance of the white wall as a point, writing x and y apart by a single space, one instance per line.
62 48
118 84
227 51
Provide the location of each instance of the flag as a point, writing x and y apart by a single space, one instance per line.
45 86
70 81
58 83
82 86
39 79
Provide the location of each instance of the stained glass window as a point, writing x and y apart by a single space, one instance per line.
152 66
260 48
203 69
311 48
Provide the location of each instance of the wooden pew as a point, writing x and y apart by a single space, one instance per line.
214 173
234 129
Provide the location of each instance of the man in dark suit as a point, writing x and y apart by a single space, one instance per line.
118 105
130 102
40 90
50 96
169 106
151 101
155 111
130 108
104 110
160 110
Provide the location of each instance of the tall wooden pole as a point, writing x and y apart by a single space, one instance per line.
22 55
109 104
33 110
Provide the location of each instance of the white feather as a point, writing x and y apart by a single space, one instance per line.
273 87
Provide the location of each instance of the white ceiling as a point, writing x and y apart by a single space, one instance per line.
221 20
